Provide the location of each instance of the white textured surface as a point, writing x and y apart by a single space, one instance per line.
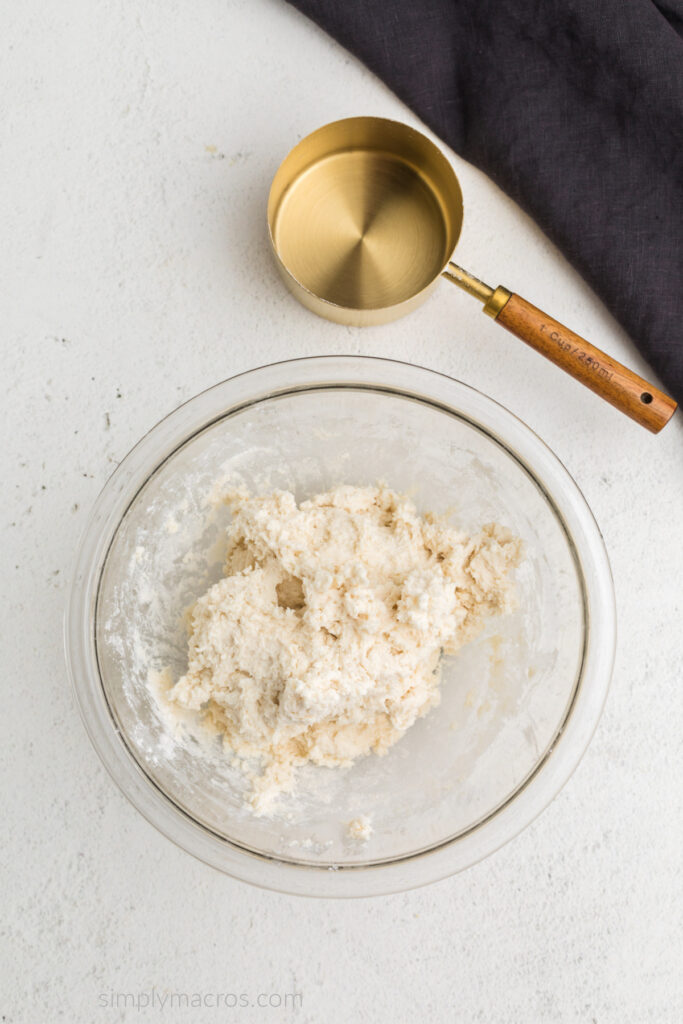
138 142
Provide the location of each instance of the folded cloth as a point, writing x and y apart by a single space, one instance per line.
573 107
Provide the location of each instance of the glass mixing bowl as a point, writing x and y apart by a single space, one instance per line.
519 704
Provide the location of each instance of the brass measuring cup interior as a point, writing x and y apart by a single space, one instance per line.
364 215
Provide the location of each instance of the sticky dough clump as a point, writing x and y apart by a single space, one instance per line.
322 642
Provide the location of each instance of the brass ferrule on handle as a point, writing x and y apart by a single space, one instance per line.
498 300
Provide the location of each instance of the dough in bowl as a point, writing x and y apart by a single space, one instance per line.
322 642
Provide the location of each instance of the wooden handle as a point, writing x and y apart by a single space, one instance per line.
618 385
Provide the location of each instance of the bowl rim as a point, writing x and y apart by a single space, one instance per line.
428 386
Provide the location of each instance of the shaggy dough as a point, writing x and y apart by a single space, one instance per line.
322 642
360 828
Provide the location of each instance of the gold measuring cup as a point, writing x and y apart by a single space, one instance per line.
364 215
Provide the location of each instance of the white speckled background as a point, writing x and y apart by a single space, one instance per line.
137 142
